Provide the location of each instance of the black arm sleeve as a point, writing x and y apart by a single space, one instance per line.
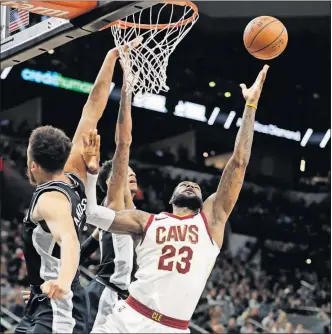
88 248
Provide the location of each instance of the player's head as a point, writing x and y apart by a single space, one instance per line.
47 153
105 174
187 195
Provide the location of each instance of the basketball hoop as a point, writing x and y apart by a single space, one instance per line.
167 26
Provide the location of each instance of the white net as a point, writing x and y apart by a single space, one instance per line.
147 63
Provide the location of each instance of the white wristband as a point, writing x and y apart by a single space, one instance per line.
97 215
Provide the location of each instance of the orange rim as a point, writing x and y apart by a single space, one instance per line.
125 25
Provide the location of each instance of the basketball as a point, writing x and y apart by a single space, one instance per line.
265 37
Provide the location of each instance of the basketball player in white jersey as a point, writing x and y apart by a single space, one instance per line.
178 250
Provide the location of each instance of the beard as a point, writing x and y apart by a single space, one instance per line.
193 203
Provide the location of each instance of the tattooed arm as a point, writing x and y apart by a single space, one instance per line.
118 181
219 206
132 222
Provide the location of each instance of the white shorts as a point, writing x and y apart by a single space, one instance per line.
126 320
107 302
102 302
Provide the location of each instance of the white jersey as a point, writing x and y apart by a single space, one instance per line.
175 258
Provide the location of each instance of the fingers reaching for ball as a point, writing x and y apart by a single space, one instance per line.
262 76
252 94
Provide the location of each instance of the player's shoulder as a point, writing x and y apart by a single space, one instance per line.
171 216
51 197
160 216
47 201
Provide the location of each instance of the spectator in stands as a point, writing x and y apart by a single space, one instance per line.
17 306
211 297
282 320
254 314
268 320
275 328
214 325
218 329
288 328
249 328
299 329
232 328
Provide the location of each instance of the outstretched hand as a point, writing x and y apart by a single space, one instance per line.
252 94
91 151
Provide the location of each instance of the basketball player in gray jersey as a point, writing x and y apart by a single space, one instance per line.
119 183
57 301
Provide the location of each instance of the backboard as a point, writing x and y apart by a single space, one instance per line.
63 21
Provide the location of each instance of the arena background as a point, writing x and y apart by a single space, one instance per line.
276 256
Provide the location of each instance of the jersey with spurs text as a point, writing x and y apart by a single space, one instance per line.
41 252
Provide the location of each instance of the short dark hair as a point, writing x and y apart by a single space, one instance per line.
104 174
50 148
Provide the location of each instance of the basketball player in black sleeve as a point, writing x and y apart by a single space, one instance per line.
118 181
50 238
56 215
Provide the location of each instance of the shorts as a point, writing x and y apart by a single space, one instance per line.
102 301
43 315
126 320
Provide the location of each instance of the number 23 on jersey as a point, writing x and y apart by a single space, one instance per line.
182 262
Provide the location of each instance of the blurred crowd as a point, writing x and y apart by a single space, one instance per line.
263 286
13 268
242 297
13 143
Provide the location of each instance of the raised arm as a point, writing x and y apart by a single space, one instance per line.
118 181
92 112
94 108
124 222
219 206
61 225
